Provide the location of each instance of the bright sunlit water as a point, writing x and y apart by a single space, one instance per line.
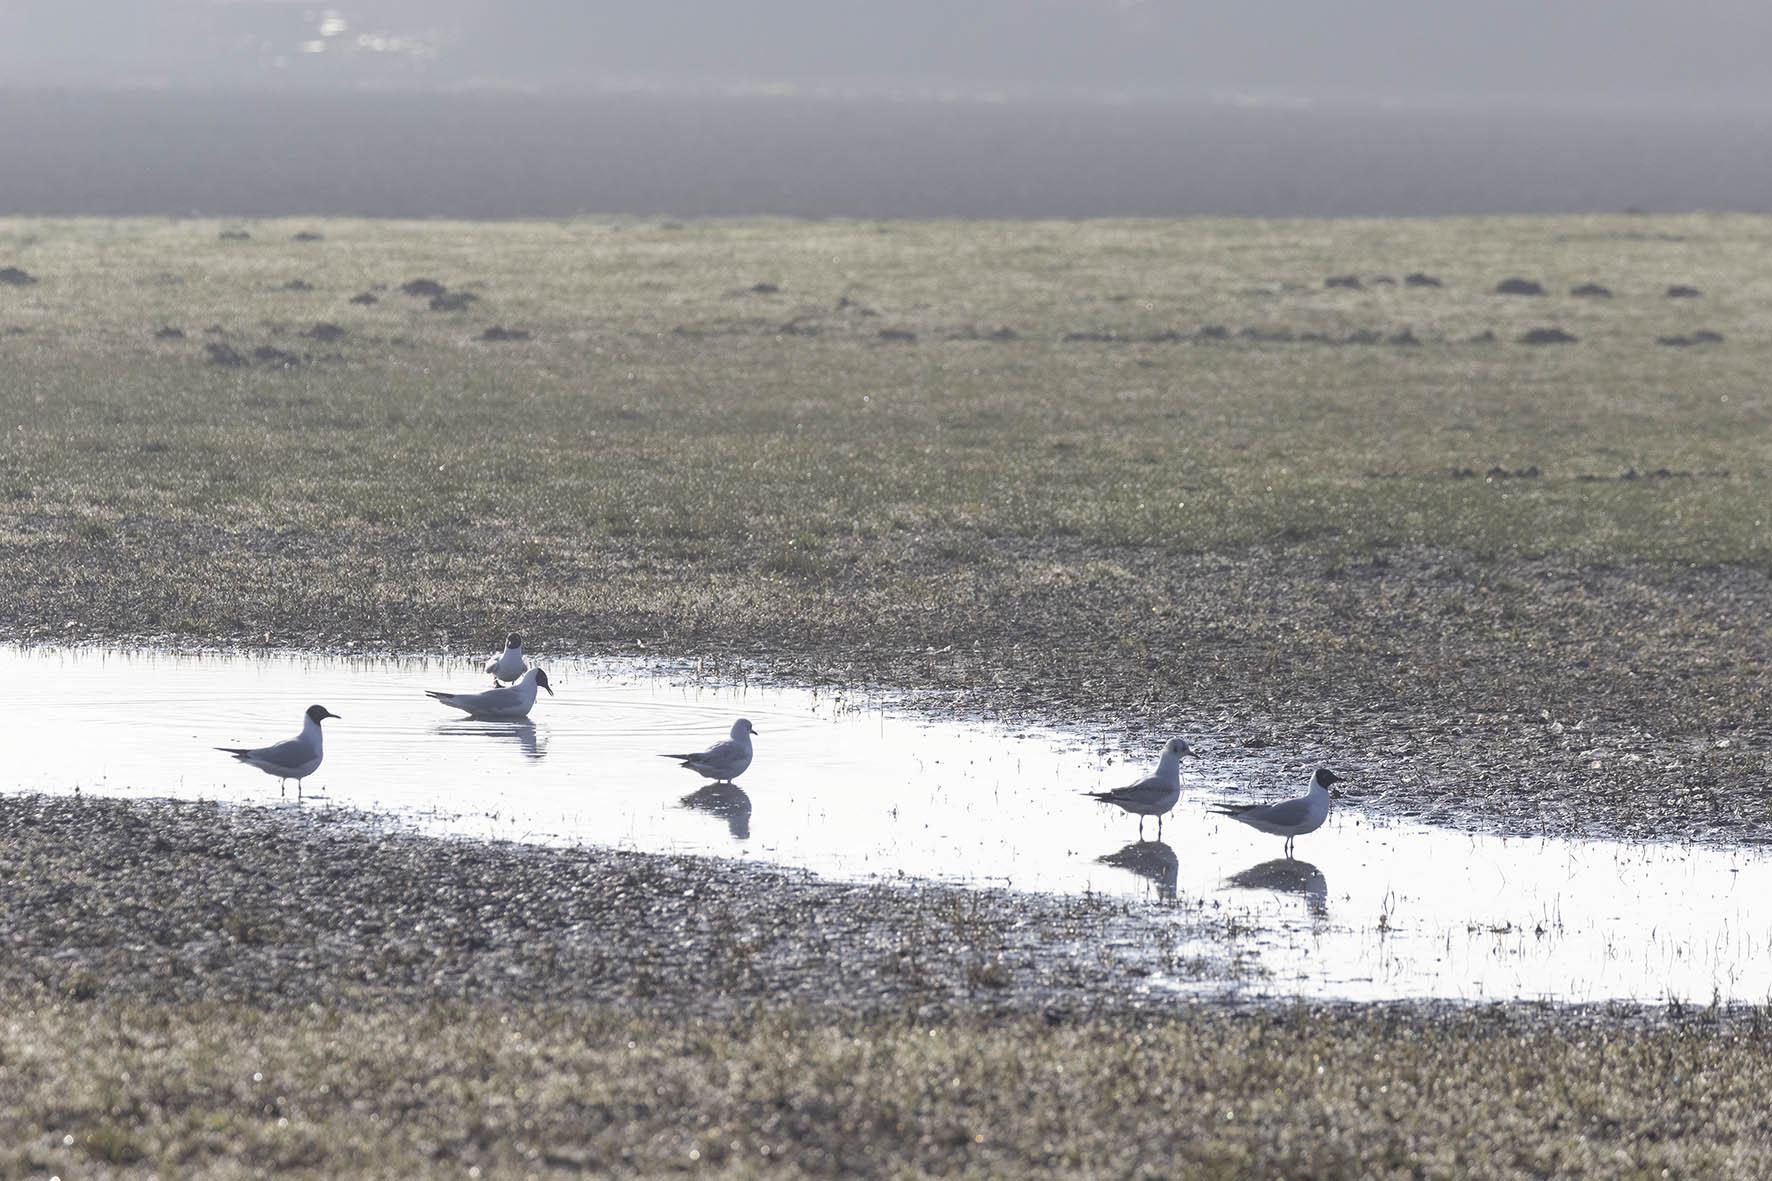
846 788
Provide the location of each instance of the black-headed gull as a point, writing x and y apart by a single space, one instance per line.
295 759
1289 818
510 664
499 705
723 761
1154 796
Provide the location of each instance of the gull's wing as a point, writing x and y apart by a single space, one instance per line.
1293 811
721 754
1136 793
291 753
492 665
726 751
491 699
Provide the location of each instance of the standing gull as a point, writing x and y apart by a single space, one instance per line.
723 761
510 664
499 705
1156 795
295 759
1289 818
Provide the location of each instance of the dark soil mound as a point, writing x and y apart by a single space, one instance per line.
265 354
1682 291
365 298
1702 336
305 236
1421 279
324 331
1518 286
170 333
1547 336
1351 282
298 285
233 235
1591 291
499 332
16 277
452 301
976 333
897 334
222 354
422 287
765 289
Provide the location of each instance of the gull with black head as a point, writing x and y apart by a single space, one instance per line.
510 664
505 704
1289 818
296 758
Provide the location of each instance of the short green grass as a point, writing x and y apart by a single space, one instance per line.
663 403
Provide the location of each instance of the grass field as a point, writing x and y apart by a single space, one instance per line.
548 1091
1297 541
1013 468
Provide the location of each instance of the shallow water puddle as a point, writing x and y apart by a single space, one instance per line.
1369 910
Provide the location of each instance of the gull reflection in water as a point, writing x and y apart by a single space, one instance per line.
725 800
1287 875
1152 860
522 733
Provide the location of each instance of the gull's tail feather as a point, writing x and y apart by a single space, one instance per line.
684 759
239 752
437 695
1100 795
1230 809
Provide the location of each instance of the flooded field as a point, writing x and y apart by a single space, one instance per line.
850 787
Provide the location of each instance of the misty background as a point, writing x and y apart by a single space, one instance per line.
914 108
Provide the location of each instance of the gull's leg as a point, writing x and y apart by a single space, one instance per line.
1159 828
1141 828
282 786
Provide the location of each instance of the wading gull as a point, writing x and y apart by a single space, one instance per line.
295 759
1289 818
1156 795
499 705
509 665
723 761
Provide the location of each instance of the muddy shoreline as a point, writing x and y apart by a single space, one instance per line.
208 903
1505 696
164 902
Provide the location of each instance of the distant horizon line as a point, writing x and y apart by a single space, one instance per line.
1253 100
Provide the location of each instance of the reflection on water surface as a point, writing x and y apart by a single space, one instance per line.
1367 910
